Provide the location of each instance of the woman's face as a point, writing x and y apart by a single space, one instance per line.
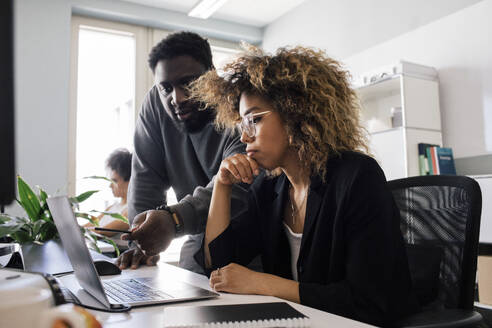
269 145
119 186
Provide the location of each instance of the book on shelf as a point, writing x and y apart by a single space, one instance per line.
424 168
276 314
432 160
441 160
445 161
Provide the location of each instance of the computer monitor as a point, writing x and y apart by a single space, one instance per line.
7 154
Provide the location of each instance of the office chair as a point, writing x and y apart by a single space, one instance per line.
440 221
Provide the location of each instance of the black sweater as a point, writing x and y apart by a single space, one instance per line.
352 260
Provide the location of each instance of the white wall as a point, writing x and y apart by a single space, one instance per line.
165 19
42 72
346 27
42 39
458 44
460 47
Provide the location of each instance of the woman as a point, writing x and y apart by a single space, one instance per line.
320 214
119 163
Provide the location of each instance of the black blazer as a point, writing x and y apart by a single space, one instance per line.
352 260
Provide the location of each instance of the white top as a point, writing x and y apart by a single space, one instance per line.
115 208
106 219
295 245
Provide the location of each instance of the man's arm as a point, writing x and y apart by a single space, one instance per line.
149 180
193 209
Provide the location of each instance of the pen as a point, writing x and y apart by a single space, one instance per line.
111 230
122 231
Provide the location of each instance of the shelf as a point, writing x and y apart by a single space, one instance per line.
379 89
386 131
399 110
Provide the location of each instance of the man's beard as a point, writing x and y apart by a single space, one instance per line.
197 121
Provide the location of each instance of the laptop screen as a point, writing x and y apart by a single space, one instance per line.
74 243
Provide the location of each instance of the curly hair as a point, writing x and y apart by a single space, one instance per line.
179 44
309 90
120 161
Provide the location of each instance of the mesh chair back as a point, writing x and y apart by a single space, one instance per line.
440 220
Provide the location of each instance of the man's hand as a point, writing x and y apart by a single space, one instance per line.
133 257
153 231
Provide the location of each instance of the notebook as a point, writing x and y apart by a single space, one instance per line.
277 314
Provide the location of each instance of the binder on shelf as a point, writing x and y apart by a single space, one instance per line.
424 168
445 161
441 160
277 314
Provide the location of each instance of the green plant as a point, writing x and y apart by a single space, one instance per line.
39 226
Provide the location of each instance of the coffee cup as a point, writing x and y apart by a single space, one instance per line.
33 307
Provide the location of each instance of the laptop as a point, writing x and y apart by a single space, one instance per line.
118 292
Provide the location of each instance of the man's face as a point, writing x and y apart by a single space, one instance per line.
171 77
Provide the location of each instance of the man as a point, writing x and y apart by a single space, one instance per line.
176 145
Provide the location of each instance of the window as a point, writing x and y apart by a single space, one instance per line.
105 106
107 85
109 80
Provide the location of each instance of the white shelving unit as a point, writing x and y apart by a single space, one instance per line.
400 110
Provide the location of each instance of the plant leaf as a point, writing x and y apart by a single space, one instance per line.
89 234
28 200
110 241
46 215
93 246
88 217
98 177
22 236
114 215
36 228
4 218
9 229
48 231
17 220
83 196
42 195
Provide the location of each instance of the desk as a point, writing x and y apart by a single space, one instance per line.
153 316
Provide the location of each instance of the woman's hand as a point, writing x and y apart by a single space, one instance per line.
237 279
237 168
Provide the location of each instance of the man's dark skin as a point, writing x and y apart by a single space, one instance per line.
154 230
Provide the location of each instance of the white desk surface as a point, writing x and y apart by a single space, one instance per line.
153 316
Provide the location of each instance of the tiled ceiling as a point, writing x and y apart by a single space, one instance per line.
256 13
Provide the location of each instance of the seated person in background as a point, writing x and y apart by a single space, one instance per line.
320 215
120 165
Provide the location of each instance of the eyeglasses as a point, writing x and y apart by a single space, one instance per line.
248 123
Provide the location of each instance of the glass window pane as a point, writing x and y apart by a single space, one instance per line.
105 106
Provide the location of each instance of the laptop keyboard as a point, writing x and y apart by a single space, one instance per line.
132 291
